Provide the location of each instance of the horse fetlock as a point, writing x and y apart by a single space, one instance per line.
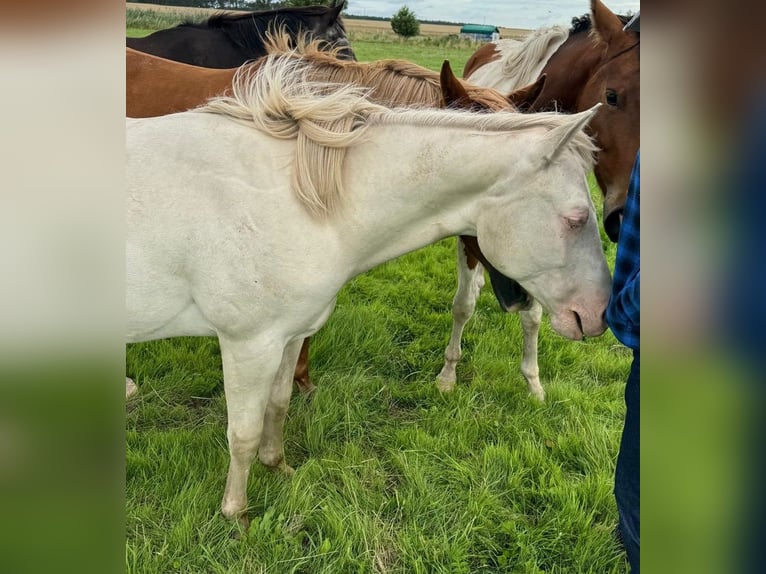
234 508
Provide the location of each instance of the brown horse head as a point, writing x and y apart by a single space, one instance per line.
599 62
457 95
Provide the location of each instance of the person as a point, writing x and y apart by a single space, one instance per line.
623 318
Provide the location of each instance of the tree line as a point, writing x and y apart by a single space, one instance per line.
241 4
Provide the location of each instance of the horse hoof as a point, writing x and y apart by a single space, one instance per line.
241 525
306 387
445 386
130 388
283 468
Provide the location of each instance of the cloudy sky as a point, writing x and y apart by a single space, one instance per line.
507 13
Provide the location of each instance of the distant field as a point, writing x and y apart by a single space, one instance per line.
371 39
352 24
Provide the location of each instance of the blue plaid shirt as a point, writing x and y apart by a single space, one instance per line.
623 311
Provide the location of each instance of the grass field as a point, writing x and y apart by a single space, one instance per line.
391 476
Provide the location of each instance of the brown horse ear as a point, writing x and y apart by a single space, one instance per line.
606 25
453 92
524 98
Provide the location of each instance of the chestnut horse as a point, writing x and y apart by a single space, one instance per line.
595 61
230 39
156 86
219 243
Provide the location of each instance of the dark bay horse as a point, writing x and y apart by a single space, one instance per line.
156 86
230 39
594 61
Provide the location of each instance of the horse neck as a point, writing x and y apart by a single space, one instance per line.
568 71
422 188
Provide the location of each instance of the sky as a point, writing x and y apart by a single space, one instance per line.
529 14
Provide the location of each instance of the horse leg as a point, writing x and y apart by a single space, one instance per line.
249 370
301 376
470 280
530 326
271 451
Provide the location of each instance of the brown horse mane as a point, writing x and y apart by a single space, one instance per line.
396 82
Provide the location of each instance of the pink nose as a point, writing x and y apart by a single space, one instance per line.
591 325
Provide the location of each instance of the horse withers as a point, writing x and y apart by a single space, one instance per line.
219 242
228 40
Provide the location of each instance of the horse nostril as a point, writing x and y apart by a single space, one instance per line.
612 225
579 322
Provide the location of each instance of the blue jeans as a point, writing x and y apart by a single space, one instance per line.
627 487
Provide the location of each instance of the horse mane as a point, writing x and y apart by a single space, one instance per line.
393 83
522 63
245 29
279 98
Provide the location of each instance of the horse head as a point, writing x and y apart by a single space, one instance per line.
616 83
330 28
542 230
599 63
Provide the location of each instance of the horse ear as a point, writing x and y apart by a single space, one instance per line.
557 138
606 25
453 91
335 9
523 98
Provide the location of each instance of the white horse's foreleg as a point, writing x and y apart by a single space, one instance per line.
530 325
469 284
249 371
271 451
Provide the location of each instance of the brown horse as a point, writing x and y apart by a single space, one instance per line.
595 61
156 86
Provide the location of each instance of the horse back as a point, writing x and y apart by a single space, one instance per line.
205 47
157 86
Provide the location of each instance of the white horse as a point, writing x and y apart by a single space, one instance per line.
230 209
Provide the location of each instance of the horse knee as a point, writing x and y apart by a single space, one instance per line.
243 446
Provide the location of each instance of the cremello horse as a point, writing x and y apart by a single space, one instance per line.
156 86
229 208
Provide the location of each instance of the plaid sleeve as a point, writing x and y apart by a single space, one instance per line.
623 311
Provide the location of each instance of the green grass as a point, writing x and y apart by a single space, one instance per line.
391 476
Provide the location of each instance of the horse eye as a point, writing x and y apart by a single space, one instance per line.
611 97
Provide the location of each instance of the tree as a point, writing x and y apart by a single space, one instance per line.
404 23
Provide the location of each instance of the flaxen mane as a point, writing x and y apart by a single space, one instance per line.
280 98
524 60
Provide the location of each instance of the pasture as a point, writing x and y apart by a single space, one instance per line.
391 475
